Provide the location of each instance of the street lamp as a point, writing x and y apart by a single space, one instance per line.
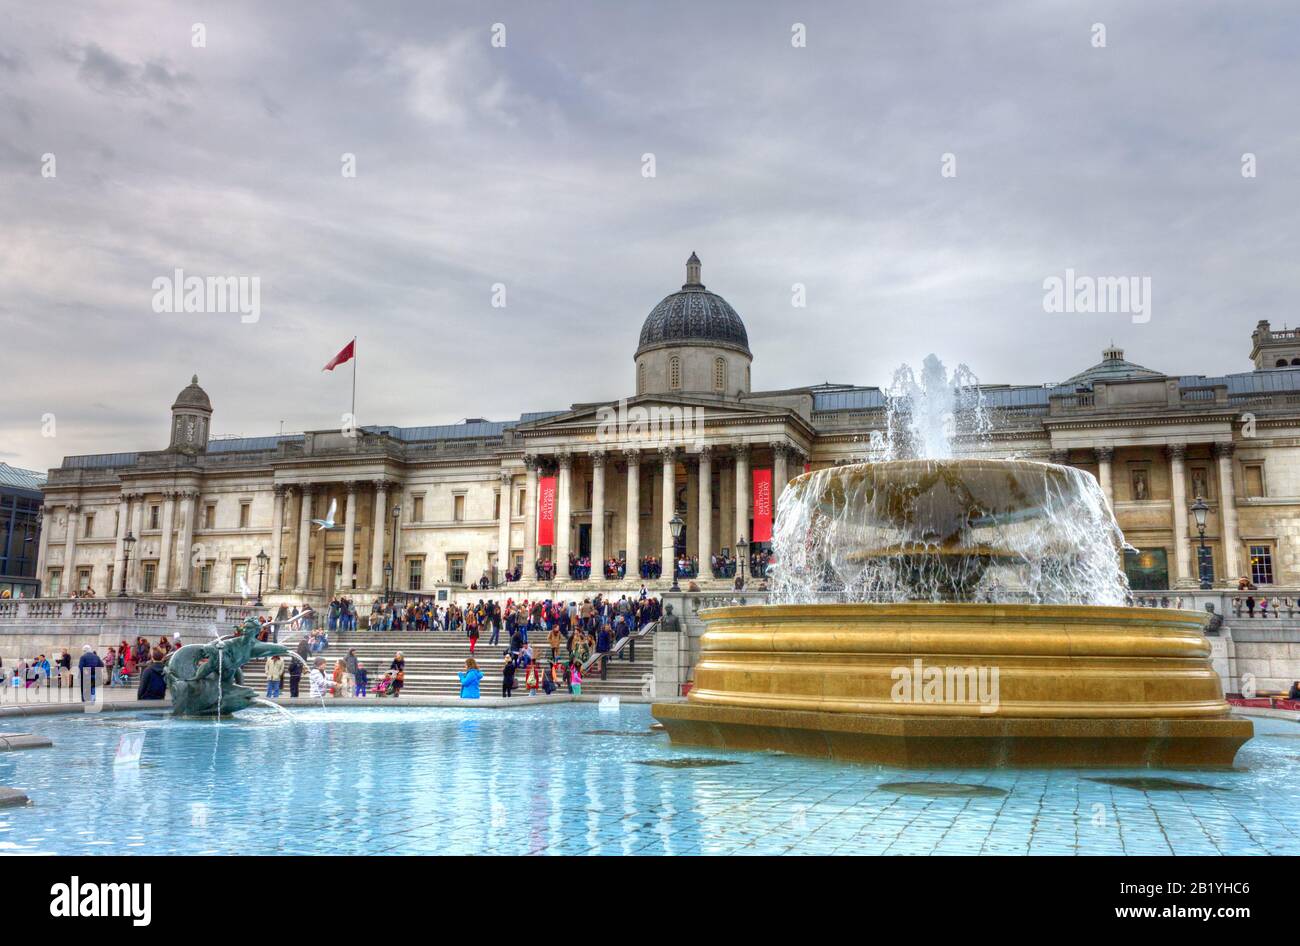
262 559
742 552
1199 509
127 541
392 560
388 581
676 525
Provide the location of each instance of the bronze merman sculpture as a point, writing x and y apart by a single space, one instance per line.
206 679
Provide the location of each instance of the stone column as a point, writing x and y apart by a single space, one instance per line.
277 536
119 547
726 501
668 505
137 527
1228 511
780 471
185 560
598 514
349 536
563 488
530 516
43 545
742 493
706 510
303 580
166 544
70 550
503 526
633 458
1105 456
377 536
1178 497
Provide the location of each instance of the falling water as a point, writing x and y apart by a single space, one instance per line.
918 523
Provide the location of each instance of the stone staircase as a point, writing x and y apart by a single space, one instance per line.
434 658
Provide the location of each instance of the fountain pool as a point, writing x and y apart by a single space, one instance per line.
568 779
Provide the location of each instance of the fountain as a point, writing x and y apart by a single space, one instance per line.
205 679
932 610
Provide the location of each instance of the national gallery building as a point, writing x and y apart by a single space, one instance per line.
425 508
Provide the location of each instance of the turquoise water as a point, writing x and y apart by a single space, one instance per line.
538 781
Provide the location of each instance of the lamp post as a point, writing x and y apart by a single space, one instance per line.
388 581
262 559
127 541
742 553
677 526
391 569
1199 509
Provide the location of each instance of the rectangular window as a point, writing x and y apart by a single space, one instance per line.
521 502
83 579
496 507
1261 564
1254 476
90 525
150 577
210 516
458 508
1147 569
56 581
205 579
417 508
245 511
414 574
456 569
153 517
110 578
1205 560
238 576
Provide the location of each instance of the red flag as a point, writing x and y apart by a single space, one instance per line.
762 505
349 351
546 511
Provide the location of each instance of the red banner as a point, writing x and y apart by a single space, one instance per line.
546 511
762 506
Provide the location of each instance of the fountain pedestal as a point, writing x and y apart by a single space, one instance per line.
960 685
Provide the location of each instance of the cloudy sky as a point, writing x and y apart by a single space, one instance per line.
522 165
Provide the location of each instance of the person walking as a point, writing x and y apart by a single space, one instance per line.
350 671
295 677
88 668
469 680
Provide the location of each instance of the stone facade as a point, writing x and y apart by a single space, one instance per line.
201 510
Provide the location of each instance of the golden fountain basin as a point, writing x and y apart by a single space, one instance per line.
965 685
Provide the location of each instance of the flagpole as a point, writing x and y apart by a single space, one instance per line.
354 382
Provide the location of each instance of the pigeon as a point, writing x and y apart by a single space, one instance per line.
328 521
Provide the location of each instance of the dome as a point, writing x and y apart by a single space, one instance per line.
693 315
193 397
1112 367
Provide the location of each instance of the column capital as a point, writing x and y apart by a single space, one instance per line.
133 495
72 509
383 486
531 461
1104 454
281 489
564 459
706 452
1176 451
350 487
598 458
1224 449
1059 457
668 454
507 477
632 456
188 492
781 448
307 489
740 451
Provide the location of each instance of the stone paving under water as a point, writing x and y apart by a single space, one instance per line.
552 780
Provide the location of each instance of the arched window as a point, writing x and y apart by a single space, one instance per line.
1295 361
1281 363
720 374
674 373
640 378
